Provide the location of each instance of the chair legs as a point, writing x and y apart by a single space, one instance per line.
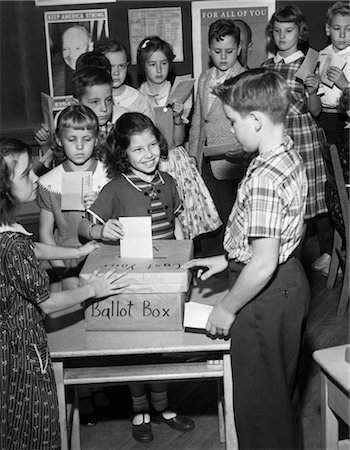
334 266
344 262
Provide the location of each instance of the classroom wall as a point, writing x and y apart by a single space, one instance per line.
23 62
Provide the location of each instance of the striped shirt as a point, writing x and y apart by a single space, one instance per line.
270 203
161 227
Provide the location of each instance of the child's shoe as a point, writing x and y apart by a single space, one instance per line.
142 428
173 419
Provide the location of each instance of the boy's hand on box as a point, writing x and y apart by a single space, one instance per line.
107 284
220 320
206 267
112 230
336 75
311 82
89 199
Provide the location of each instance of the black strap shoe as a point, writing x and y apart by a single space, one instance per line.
143 432
180 423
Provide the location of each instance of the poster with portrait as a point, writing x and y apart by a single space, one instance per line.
255 14
69 34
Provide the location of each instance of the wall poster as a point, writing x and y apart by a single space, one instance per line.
68 35
163 22
255 13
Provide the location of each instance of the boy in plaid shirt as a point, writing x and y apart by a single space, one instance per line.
265 310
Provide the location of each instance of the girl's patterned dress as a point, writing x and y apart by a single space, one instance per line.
199 214
28 398
302 128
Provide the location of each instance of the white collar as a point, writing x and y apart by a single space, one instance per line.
330 51
289 59
15 228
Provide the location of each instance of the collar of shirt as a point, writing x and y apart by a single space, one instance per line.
272 152
229 73
160 98
140 184
345 53
91 168
15 228
289 59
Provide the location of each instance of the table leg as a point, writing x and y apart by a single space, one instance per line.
329 422
58 370
221 411
230 428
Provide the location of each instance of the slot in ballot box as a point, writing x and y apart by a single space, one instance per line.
157 291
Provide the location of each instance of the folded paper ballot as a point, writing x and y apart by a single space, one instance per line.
196 315
309 64
47 105
330 61
181 89
74 187
137 241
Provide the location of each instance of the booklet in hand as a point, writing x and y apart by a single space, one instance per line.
309 64
47 104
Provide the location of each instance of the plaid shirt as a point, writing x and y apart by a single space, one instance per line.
270 203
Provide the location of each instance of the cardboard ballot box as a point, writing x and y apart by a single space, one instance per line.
157 290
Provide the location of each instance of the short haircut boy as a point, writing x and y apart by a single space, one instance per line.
342 8
257 90
87 77
221 28
93 59
111 45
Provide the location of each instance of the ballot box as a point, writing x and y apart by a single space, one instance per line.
157 291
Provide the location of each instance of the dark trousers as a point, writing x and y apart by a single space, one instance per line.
265 348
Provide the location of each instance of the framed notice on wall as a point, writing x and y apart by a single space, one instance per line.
163 22
255 13
68 35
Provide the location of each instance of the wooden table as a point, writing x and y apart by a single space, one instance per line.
73 341
335 390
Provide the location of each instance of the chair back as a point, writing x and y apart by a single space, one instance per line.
341 188
325 149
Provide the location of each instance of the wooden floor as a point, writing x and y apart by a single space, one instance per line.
198 399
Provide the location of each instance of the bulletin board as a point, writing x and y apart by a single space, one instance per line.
256 13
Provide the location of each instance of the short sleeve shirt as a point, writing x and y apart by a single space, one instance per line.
270 203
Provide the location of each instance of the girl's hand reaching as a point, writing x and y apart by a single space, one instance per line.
86 249
112 230
106 284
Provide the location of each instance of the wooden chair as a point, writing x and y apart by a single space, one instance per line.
340 251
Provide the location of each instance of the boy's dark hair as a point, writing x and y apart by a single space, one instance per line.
341 7
76 117
112 45
289 13
93 59
223 27
344 101
257 90
11 149
87 77
128 124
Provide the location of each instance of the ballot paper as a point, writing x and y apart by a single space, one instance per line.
309 64
137 240
330 61
47 104
74 187
181 89
196 315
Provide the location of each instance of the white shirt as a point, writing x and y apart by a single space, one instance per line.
330 96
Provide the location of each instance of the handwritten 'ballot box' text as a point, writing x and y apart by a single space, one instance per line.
157 291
